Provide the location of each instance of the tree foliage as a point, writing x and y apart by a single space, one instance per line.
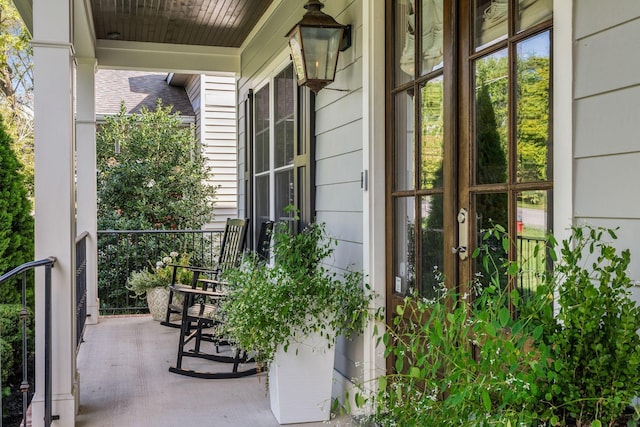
16 86
157 180
16 223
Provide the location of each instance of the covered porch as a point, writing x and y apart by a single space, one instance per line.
124 364
72 39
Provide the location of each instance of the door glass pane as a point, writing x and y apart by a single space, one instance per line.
490 210
489 21
405 23
404 142
432 138
404 269
262 129
532 109
262 198
284 115
491 118
533 224
284 193
532 12
432 35
432 250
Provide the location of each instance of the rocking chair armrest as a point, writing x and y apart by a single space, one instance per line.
212 283
195 268
197 291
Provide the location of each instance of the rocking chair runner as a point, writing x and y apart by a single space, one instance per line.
202 314
232 245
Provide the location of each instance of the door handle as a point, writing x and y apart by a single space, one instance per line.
463 235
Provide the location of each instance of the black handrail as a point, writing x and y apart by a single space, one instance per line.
48 263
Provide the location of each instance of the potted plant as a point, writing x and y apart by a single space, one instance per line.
154 282
289 312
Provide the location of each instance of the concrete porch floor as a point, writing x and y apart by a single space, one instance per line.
125 381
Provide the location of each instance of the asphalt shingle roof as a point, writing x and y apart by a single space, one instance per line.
138 89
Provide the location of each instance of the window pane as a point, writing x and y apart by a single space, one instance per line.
491 118
432 142
489 21
404 143
432 35
262 198
532 127
432 250
262 151
284 115
532 12
284 193
404 270
261 101
533 223
405 23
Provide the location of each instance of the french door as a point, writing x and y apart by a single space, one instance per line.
469 137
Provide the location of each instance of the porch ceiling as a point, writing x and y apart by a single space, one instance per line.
183 36
222 23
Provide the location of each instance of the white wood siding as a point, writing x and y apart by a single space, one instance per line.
220 144
339 138
607 119
214 99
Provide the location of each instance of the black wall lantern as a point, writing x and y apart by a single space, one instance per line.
315 42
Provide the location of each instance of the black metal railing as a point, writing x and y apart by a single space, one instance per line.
81 286
531 267
25 387
122 251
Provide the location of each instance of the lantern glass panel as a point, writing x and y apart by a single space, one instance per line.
320 48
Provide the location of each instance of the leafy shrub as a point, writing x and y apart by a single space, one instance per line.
593 336
157 180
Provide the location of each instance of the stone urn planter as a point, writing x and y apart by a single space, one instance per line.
157 300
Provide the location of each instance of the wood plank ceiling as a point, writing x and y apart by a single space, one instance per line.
224 23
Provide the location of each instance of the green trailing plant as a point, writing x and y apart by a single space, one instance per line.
460 360
271 306
571 356
160 274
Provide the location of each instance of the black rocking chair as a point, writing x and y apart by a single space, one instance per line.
202 314
232 245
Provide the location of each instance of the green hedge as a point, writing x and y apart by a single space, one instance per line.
11 344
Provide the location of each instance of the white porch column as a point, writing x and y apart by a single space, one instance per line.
374 258
86 179
55 201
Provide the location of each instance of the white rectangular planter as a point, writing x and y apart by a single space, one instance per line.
300 383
